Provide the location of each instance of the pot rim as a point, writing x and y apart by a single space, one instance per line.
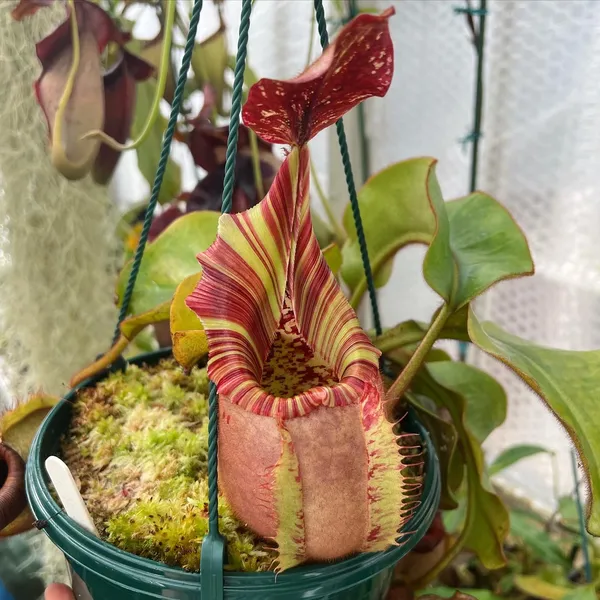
106 560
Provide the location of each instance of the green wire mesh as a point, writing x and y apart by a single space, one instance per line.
213 546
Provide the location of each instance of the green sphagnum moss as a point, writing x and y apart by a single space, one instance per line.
138 448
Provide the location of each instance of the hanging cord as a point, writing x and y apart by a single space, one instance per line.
365 153
162 164
360 234
229 182
213 546
478 40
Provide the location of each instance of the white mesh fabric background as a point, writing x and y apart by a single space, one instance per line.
541 158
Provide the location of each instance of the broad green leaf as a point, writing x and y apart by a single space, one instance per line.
333 257
454 520
209 62
148 153
485 399
482 245
443 435
169 259
448 592
536 539
538 588
473 241
584 592
486 522
189 340
395 212
514 454
567 381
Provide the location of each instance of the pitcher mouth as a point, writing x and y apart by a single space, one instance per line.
282 338
12 485
295 379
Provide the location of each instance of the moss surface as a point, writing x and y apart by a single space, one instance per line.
138 448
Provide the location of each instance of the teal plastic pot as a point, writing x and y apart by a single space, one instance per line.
111 574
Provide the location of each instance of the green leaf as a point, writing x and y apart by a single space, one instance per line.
485 399
584 592
333 257
454 519
209 62
395 211
148 153
538 588
443 435
567 381
486 523
322 231
187 333
473 241
448 592
553 572
514 454
538 542
567 508
169 259
477 244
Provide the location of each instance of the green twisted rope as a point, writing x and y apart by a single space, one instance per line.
213 545
162 163
228 185
360 234
475 135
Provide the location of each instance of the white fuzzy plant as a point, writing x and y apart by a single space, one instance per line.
57 237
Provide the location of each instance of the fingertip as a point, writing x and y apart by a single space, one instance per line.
58 591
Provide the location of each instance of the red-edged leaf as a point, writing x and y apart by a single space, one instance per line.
72 155
119 103
26 8
357 65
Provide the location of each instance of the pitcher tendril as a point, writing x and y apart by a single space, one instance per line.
160 90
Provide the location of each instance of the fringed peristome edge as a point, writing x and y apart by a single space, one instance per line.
395 469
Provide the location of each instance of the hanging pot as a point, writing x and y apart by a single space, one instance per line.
112 573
